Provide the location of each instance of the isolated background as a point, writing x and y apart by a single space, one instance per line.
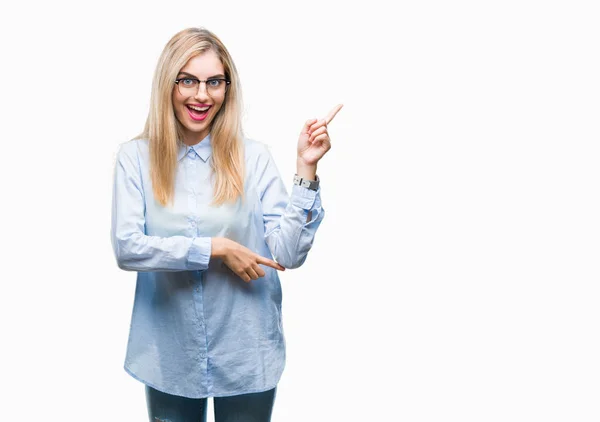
455 276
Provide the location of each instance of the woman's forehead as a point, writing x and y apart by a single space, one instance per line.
203 65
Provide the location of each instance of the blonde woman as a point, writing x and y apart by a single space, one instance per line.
203 216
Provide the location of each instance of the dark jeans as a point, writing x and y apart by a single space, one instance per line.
254 407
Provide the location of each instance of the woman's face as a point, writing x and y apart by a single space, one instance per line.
189 104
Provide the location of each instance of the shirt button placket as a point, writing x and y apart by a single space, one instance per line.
202 329
192 204
192 200
192 176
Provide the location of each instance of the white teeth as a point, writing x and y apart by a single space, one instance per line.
198 108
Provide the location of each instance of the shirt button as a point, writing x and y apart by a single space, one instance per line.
203 355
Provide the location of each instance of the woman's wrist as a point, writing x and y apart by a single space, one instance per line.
218 247
306 171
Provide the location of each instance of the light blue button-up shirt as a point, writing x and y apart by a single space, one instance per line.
197 329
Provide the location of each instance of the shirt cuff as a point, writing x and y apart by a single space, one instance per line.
199 254
303 197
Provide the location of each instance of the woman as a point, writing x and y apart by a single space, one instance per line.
199 211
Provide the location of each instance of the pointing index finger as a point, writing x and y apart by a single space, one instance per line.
332 113
270 263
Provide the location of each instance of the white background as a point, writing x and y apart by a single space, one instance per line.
455 276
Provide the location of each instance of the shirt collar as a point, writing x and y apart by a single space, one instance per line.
202 148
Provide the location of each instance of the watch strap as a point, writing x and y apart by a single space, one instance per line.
305 183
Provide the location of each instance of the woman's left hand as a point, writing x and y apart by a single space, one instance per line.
314 140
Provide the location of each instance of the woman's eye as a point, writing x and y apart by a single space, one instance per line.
188 82
214 82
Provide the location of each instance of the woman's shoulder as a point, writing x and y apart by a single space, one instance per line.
133 147
255 150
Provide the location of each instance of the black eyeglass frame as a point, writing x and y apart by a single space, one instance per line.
227 82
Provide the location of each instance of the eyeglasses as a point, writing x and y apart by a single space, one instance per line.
188 87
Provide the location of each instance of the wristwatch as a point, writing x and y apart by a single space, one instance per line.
305 183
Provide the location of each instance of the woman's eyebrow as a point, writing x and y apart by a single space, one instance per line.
194 76
188 74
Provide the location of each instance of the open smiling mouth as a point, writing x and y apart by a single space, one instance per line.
198 113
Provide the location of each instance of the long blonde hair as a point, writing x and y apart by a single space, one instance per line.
162 129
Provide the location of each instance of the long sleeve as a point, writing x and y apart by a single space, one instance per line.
288 234
134 250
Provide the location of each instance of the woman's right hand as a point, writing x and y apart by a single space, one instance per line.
240 259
